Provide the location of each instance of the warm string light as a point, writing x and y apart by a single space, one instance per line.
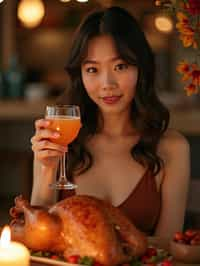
163 24
1 1
31 12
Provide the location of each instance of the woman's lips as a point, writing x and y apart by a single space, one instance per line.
111 99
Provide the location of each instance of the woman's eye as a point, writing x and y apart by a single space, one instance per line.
121 66
91 70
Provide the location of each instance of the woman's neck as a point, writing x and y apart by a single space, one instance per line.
117 125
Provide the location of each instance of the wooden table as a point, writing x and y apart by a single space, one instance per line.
157 242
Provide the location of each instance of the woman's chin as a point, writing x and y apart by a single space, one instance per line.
113 109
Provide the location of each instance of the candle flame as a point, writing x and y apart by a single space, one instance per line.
5 237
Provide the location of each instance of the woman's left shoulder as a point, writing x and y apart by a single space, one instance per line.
173 143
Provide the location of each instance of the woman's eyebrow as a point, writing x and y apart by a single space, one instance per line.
90 61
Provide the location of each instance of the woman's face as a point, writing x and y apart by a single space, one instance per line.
109 81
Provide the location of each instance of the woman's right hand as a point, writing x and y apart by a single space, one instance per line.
45 150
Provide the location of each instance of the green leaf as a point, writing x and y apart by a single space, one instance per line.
135 263
46 254
88 261
154 259
37 254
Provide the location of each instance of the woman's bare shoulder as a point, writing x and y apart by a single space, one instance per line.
173 143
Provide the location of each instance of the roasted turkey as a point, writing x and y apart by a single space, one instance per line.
80 225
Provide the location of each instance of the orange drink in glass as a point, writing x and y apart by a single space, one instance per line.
67 126
64 119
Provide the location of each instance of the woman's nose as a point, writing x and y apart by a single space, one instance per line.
108 81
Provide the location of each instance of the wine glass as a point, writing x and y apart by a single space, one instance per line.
65 119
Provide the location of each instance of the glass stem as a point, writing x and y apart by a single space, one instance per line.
62 168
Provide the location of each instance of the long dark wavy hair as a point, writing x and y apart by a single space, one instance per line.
150 117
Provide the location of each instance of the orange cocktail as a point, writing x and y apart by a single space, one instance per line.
67 126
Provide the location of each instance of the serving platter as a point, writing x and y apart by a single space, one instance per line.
48 261
153 241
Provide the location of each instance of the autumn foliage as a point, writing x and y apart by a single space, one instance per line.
187 15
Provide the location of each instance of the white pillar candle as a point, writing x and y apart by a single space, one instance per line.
12 253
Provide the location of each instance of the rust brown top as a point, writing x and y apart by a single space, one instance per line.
142 206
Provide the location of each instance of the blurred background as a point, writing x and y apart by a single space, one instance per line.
35 38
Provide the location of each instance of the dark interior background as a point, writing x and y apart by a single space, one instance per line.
41 53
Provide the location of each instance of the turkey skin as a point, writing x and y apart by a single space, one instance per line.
81 225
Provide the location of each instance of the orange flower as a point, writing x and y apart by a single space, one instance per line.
191 89
182 18
186 32
186 76
188 40
183 67
195 75
188 25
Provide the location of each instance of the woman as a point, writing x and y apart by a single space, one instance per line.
125 153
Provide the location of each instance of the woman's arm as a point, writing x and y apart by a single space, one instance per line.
43 176
175 151
46 158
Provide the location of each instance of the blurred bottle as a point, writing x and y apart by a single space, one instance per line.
1 85
36 91
14 79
